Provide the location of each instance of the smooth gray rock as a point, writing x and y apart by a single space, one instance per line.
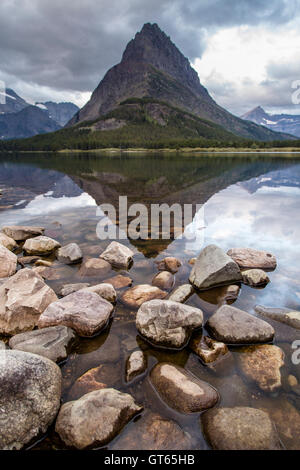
214 268
181 293
282 315
29 398
166 323
233 326
52 342
69 254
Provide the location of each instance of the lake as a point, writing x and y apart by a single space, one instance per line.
248 200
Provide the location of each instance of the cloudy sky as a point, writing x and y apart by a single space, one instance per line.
245 51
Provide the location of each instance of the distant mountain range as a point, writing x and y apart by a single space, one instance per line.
19 119
287 123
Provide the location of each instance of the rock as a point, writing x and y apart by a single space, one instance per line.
261 364
96 418
23 260
232 390
118 255
153 432
292 381
166 323
137 295
94 267
29 399
170 264
2 346
247 258
103 376
7 242
40 246
255 278
119 281
8 262
50 274
20 233
231 293
192 261
163 280
53 342
23 298
181 390
182 293
44 263
67 289
106 291
69 254
240 428
282 315
233 326
207 349
214 268
85 312
136 364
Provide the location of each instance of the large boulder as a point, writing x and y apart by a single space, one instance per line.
181 390
248 258
52 342
118 255
261 364
282 315
214 268
7 242
20 233
85 312
8 262
29 398
137 295
40 246
23 298
96 418
69 254
234 326
94 267
166 323
240 428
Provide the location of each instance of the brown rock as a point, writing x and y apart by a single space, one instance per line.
21 233
255 278
136 364
105 290
170 264
7 242
8 262
88 382
207 349
94 267
247 258
137 295
119 281
40 246
71 288
118 255
163 280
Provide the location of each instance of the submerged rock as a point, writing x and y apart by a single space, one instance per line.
94 267
261 364
103 376
181 390
7 242
29 399
240 428
67 289
137 295
52 342
40 246
214 268
96 418
169 263
85 312
69 254
207 349
118 255
8 262
23 298
163 280
255 278
119 281
182 293
136 364
20 233
247 258
166 323
233 326
282 315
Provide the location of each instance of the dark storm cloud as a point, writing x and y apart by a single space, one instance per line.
69 45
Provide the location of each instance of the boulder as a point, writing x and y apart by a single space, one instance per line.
182 293
85 312
282 315
181 390
233 326
163 280
136 364
69 254
94 267
67 289
261 364
8 262
119 281
214 268
166 323
23 298
7 242
118 255
103 376
240 428
169 263
247 258
96 418
255 278
137 295
20 233
29 399
40 246
106 291
53 342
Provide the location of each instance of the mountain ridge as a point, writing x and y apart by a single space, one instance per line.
289 123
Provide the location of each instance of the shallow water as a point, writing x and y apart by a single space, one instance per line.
248 201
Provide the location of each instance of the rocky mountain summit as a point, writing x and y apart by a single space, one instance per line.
277 122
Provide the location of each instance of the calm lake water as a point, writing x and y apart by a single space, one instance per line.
248 201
